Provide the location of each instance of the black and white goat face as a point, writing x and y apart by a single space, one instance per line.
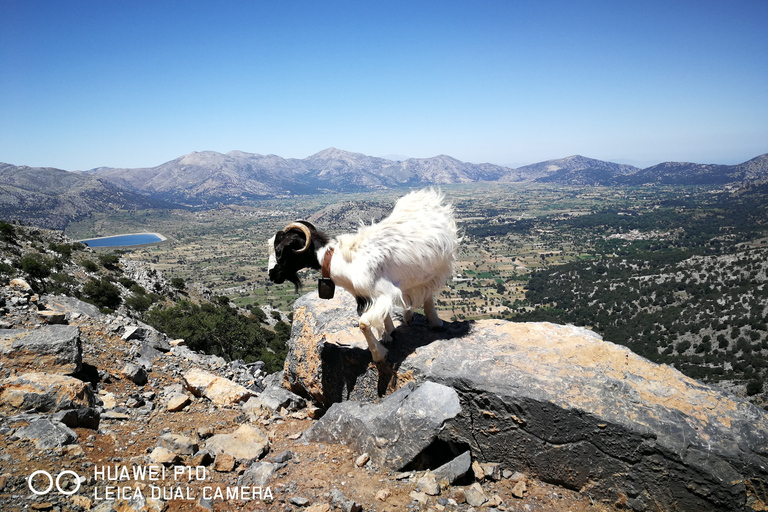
290 250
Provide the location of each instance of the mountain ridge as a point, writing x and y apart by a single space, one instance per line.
209 177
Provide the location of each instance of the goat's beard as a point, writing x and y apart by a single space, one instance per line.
279 276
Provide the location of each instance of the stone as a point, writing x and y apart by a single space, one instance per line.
45 392
51 317
319 507
217 389
164 456
282 457
178 443
477 470
202 458
176 402
247 443
108 399
519 490
47 434
383 494
84 417
258 474
70 306
273 398
362 460
299 501
428 484
475 495
135 373
491 470
57 348
396 430
455 469
555 401
224 463
20 285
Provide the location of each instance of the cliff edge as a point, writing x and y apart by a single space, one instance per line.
556 402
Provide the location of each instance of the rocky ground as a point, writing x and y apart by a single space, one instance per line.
159 427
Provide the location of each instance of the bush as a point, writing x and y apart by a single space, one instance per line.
7 232
89 265
178 283
220 330
109 261
102 293
36 266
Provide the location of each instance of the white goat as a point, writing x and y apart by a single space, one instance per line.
400 261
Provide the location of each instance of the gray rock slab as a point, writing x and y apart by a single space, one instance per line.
70 305
555 402
396 430
273 398
47 434
54 348
455 469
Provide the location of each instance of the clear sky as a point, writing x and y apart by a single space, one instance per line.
136 83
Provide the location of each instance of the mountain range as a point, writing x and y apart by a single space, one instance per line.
208 177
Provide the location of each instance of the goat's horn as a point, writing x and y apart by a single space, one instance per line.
304 229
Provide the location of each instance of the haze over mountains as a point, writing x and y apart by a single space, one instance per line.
208 177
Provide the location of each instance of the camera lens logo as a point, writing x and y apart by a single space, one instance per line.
51 481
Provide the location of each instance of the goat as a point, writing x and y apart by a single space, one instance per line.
400 261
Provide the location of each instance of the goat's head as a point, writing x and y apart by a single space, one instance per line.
293 249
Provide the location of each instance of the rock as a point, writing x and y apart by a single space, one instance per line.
454 470
48 434
319 507
164 456
51 317
519 490
491 470
362 460
282 457
394 431
177 402
428 484
477 470
108 400
554 401
247 443
57 348
298 501
85 417
45 392
475 495
218 390
20 285
258 474
224 463
177 443
70 306
202 458
273 398
383 494
135 373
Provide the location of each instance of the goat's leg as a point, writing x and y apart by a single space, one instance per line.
389 326
431 314
407 316
377 318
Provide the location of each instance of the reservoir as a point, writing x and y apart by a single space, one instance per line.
124 240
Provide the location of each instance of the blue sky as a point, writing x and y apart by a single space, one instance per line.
137 83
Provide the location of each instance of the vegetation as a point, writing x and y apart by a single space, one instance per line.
219 329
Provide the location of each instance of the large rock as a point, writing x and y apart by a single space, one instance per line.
217 389
47 434
556 402
247 443
396 430
45 392
55 348
71 306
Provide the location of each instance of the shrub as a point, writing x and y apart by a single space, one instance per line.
178 283
102 293
7 232
36 266
89 265
109 261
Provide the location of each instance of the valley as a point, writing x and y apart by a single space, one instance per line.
529 252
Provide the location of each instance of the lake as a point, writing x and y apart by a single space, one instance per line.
123 240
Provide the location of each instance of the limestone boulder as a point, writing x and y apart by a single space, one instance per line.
217 389
44 392
555 402
247 443
55 348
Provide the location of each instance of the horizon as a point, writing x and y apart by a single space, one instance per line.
88 84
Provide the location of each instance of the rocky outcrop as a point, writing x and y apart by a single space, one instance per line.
53 347
556 402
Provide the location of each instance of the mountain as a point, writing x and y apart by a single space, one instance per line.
572 170
686 173
52 198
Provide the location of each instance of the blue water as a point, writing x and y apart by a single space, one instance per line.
122 240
